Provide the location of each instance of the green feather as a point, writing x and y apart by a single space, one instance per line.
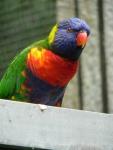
12 78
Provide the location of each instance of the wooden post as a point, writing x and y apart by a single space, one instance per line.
24 125
108 28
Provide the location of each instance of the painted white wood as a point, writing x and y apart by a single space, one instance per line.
24 124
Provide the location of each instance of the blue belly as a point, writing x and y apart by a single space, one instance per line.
43 92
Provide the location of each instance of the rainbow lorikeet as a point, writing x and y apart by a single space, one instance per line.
41 72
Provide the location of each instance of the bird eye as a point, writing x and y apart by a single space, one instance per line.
70 30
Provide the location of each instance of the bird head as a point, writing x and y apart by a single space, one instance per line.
69 37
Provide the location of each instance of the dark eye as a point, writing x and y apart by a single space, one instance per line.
70 30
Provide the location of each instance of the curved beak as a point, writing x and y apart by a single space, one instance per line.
81 38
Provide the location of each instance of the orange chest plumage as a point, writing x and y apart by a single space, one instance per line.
51 68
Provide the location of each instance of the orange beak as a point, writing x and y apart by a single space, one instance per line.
81 38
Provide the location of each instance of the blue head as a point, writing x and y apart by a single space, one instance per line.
68 38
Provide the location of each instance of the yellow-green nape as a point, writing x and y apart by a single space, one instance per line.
52 34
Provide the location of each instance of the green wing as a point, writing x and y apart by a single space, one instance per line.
12 78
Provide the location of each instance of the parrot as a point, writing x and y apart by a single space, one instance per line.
41 72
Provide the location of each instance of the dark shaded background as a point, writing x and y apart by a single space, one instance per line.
21 23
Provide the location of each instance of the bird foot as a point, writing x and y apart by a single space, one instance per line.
42 107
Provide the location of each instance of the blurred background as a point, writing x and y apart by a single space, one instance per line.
24 21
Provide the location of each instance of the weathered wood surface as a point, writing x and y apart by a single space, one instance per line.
23 124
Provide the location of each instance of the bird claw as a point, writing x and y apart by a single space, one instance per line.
42 107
